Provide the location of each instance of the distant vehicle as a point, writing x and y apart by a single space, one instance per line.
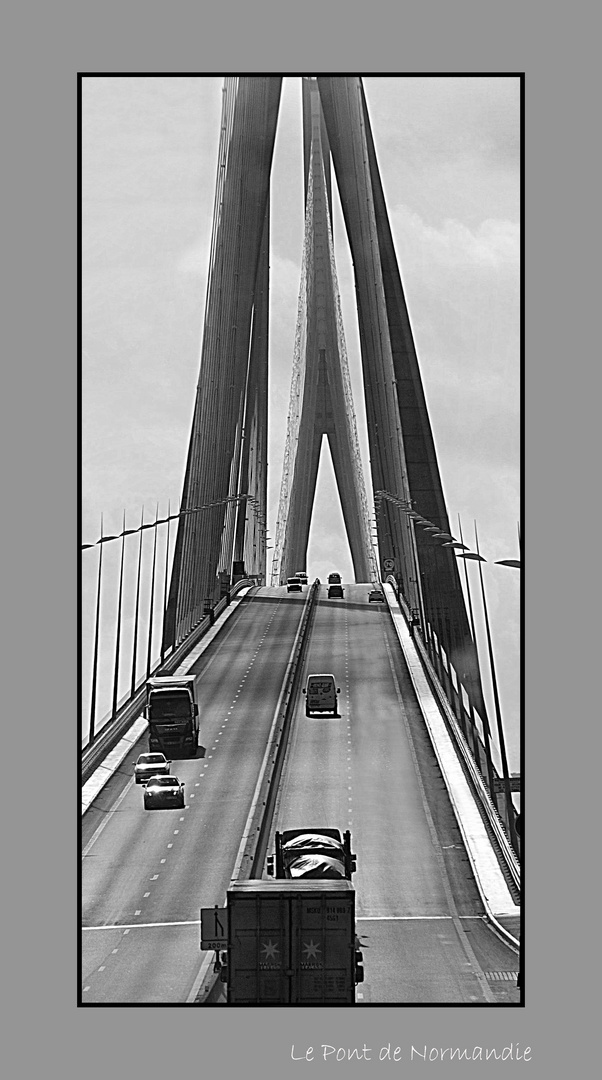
163 791
293 585
321 695
150 765
334 579
302 577
335 591
376 597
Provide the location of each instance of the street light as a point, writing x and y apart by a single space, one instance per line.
498 711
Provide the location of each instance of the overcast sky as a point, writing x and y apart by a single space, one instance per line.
448 149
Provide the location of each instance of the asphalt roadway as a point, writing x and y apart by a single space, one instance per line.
146 874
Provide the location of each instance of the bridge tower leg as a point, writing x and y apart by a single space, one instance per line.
231 392
321 402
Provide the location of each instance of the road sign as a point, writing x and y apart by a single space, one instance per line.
389 565
214 928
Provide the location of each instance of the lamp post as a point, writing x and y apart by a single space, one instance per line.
152 599
165 590
118 635
95 651
498 713
486 728
135 643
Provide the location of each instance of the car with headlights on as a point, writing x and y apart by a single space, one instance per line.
163 791
149 765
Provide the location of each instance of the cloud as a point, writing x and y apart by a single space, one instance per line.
493 244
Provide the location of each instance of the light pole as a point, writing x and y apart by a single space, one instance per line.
95 651
485 718
498 712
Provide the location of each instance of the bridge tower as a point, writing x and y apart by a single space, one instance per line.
224 496
321 401
223 504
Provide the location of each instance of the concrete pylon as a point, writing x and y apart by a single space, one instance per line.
321 403
223 506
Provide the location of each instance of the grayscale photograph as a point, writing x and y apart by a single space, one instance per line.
300 518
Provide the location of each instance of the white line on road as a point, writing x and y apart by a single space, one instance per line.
143 926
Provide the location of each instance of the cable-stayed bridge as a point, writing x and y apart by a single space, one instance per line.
413 766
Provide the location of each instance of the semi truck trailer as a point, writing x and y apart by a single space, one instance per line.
173 715
292 943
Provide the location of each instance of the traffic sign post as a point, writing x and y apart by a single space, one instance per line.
214 928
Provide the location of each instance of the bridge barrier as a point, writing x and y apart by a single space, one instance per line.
463 781
94 755
494 818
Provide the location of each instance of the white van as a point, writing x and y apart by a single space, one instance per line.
321 695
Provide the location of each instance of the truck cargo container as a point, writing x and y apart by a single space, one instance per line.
172 714
292 943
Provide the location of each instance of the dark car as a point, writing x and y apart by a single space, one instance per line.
163 791
376 597
302 577
149 765
294 585
335 590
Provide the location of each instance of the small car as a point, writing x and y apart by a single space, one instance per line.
163 791
150 765
302 577
376 597
293 585
334 579
336 591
